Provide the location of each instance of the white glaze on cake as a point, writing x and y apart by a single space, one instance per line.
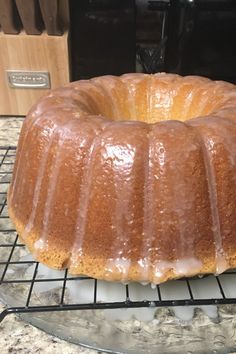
149 202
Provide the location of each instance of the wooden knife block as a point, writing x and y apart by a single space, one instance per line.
41 53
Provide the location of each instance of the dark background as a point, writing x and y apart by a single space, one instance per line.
182 36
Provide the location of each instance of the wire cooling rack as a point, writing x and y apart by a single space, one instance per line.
224 290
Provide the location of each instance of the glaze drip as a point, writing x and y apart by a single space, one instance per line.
39 183
123 218
207 147
83 202
148 228
59 137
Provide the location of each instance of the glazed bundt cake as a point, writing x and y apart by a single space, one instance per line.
130 178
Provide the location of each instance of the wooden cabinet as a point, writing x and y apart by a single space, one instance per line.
32 41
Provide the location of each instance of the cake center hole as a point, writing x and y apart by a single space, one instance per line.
179 105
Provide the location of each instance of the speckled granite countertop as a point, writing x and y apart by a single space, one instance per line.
17 336
10 130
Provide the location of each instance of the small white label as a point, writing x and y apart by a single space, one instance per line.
28 79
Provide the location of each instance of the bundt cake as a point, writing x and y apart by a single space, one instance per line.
130 178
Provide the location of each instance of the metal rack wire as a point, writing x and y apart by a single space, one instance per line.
7 156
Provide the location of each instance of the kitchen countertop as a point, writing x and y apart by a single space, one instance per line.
17 336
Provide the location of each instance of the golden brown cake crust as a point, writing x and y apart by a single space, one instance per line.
130 178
